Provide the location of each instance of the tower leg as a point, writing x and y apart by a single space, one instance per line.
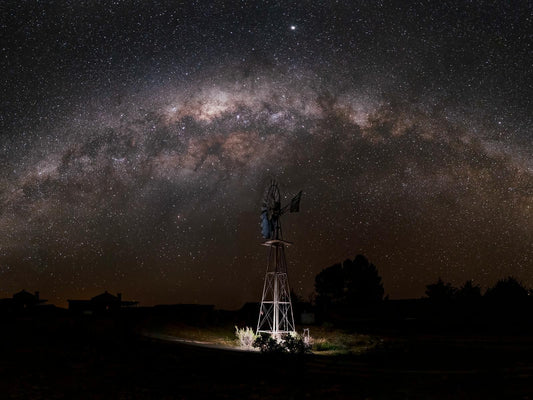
275 328
275 314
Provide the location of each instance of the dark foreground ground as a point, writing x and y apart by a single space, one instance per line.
66 358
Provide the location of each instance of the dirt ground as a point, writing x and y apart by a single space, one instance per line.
67 359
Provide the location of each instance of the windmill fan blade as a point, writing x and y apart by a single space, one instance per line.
295 203
270 211
266 230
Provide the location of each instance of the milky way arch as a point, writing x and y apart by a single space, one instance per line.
157 176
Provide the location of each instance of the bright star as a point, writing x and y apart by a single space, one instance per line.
293 27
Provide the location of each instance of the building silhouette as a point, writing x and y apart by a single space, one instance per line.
21 301
102 303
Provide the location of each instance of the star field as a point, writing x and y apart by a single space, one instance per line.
137 139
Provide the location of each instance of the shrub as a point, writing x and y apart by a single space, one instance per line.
268 344
295 344
246 337
288 343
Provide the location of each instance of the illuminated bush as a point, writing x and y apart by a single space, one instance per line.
295 344
246 337
268 344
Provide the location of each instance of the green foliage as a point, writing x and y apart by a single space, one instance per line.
246 337
342 342
325 345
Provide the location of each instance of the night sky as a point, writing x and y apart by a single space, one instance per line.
137 138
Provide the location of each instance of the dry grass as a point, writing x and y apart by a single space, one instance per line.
220 335
325 340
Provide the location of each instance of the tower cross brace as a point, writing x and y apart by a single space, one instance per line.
275 315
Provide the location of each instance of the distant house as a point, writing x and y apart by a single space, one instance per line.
105 302
21 301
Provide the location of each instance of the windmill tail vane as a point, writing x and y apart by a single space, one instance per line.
295 203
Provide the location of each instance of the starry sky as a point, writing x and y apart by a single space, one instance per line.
137 138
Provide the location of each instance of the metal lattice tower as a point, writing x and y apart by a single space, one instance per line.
275 315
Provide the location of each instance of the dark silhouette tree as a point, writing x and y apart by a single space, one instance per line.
296 298
298 303
508 303
363 284
440 291
329 286
468 292
506 290
352 283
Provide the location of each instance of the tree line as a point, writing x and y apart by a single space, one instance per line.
357 282
505 290
352 293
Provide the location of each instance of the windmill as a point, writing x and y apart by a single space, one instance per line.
275 315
